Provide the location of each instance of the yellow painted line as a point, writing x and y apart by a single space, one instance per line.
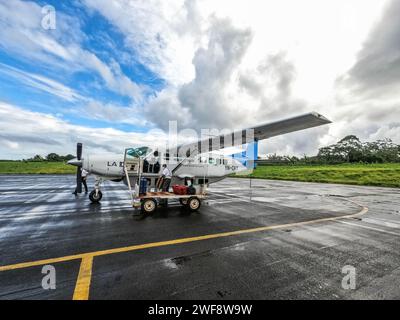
219 235
174 242
82 286
40 262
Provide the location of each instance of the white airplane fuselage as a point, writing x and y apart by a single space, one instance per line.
202 169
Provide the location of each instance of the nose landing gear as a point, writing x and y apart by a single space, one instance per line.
96 195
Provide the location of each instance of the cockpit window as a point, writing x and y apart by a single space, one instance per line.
138 152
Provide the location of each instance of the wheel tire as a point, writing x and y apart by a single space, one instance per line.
193 204
183 202
149 206
94 198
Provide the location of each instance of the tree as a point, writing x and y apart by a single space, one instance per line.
351 149
69 157
53 157
37 158
382 151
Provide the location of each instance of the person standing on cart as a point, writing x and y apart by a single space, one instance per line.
166 175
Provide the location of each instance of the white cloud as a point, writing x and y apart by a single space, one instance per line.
25 133
41 83
392 131
85 107
160 33
21 33
9 144
111 113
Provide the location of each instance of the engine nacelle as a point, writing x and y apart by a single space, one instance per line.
104 165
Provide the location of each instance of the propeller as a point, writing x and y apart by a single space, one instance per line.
78 168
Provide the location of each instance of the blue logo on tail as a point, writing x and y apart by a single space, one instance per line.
248 156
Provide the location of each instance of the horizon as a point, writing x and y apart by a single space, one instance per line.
234 150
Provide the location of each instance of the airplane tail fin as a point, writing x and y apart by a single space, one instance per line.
248 156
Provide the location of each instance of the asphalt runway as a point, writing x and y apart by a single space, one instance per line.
264 240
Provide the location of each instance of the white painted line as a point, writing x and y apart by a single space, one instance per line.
370 228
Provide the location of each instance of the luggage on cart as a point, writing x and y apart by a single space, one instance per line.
143 186
181 190
191 190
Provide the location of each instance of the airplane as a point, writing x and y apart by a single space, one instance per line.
196 162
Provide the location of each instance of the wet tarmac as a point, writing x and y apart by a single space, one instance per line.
251 240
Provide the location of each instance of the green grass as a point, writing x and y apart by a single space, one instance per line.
384 175
19 167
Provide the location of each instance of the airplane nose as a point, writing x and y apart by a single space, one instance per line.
75 162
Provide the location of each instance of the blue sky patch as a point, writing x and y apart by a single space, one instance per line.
58 85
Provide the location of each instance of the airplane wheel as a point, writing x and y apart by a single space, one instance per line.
95 198
149 206
193 204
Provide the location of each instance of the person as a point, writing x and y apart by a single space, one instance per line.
84 175
166 175
84 179
145 166
156 167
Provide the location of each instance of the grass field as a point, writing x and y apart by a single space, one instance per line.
385 175
19 167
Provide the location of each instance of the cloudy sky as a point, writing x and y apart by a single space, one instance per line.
113 72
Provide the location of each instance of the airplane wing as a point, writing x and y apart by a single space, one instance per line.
260 132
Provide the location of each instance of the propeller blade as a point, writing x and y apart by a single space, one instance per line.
78 180
79 151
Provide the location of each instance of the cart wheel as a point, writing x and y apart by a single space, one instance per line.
193 204
183 201
149 206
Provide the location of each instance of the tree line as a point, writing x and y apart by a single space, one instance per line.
51 157
348 150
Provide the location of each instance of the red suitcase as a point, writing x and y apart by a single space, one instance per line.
181 190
